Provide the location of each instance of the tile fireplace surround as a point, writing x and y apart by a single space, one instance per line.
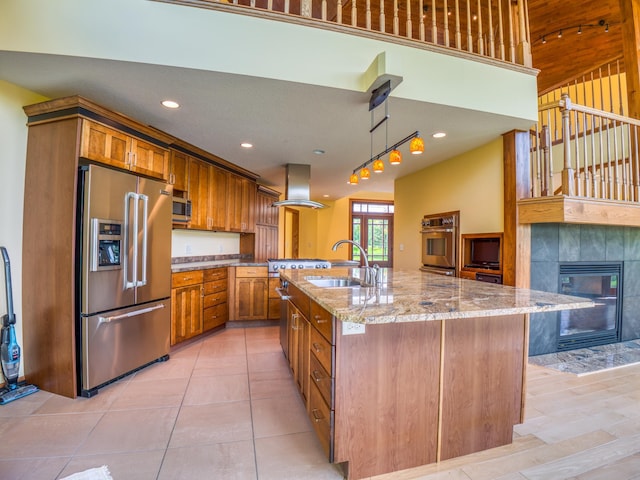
552 244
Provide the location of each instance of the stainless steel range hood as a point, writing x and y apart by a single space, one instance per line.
297 190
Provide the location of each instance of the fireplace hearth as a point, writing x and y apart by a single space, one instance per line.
602 283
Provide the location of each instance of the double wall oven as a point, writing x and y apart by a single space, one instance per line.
440 243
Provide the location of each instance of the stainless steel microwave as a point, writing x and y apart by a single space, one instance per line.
181 210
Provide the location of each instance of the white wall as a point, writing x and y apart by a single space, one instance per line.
189 243
13 138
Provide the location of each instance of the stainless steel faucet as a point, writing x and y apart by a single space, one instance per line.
370 273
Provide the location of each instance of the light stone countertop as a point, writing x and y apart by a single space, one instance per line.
415 296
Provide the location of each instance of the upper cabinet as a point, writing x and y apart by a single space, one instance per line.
242 204
113 147
266 213
179 171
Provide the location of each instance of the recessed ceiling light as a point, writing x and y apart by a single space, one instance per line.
170 104
325 195
318 151
246 145
439 135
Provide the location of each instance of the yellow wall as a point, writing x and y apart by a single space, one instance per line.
471 183
320 229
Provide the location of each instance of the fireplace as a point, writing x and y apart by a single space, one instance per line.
602 283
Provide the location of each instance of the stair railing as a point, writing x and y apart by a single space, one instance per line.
585 152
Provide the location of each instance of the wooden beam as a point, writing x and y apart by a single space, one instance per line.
516 251
630 13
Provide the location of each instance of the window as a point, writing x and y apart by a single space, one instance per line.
372 227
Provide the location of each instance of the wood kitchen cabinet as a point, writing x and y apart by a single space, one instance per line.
199 193
241 204
218 198
251 294
198 302
116 148
187 294
215 309
179 171
266 236
274 298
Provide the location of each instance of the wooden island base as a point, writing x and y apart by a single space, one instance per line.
410 394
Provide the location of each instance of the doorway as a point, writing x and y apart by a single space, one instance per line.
371 223
291 233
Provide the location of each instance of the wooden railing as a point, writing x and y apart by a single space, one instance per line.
497 29
604 88
585 152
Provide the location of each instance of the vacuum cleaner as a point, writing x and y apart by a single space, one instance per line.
9 348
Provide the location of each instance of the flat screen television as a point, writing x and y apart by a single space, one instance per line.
485 252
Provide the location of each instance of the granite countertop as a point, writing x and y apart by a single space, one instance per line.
415 296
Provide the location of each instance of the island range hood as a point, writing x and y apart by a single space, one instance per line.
297 188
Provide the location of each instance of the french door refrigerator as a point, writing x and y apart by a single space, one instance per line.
124 277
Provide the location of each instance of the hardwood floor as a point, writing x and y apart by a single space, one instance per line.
226 407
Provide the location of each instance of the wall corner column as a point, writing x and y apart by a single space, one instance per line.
630 14
516 252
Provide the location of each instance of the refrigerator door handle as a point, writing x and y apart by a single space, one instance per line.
145 213
130 241
135 313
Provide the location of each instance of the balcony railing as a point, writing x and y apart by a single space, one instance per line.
496 29
580 151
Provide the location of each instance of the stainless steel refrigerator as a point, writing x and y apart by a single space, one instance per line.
124 277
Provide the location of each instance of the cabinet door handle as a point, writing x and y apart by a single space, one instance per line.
317 347
317 376
202 292
319 319
317 415
294 321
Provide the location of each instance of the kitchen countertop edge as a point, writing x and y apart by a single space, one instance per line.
412 304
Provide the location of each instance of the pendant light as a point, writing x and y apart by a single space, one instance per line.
353 179
378 166
365 173
416 147
395 157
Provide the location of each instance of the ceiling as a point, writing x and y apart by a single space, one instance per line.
285 121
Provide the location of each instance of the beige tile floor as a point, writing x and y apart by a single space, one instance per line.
225 407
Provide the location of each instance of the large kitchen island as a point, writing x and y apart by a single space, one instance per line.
419 369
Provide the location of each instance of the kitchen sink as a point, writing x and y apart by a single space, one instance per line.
333 282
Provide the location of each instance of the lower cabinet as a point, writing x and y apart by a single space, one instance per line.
251 295
274 298
198 302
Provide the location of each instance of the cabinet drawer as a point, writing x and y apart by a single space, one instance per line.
251 271
215 316
322 349
320 378
299 299
215 299
215 287
321 418
214 274
182 279
322 320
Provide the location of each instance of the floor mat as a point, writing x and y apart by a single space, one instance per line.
584 361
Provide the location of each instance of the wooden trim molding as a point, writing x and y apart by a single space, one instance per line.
565 209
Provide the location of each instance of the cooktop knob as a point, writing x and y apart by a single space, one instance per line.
301 266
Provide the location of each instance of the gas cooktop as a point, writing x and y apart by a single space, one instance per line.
276 264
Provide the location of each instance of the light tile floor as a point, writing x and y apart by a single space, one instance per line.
225 407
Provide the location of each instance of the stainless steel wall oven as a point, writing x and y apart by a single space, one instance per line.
440 244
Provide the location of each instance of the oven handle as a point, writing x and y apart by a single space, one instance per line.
438 271
283 293
437 230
